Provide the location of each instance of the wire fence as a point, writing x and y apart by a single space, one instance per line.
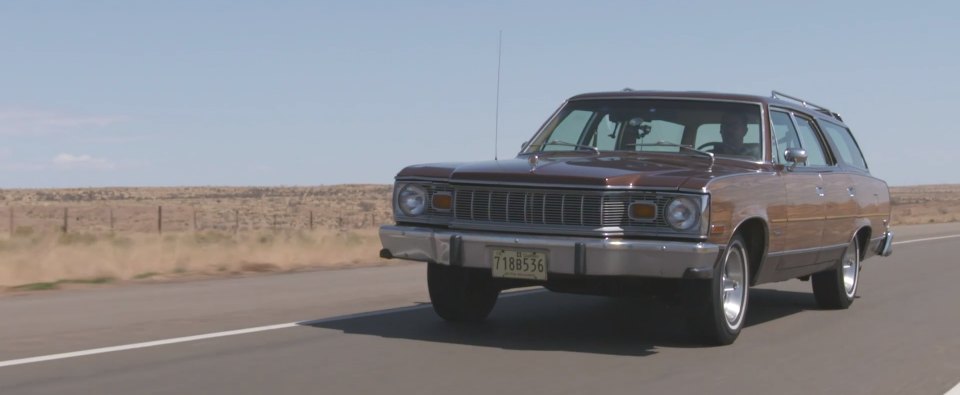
178 218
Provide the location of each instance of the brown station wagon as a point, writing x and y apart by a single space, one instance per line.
690 194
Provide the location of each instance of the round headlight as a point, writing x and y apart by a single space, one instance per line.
412 200
683 213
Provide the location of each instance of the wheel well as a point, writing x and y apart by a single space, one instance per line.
863 238
754 232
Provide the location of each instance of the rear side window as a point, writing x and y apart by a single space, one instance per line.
847 148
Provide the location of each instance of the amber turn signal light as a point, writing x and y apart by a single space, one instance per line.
442 201
643 211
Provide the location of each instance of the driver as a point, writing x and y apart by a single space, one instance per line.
733 127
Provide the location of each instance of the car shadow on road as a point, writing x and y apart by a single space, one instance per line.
545 321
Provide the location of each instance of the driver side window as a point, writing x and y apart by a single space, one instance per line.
788 136
785 135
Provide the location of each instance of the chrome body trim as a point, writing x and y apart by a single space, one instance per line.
610 231
806 250
601 256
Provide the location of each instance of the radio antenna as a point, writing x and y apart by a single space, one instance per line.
496 122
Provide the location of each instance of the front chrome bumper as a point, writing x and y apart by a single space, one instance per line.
566 255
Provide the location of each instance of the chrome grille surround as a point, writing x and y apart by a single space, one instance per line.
557 211
563 211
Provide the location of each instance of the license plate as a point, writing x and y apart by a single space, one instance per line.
522 264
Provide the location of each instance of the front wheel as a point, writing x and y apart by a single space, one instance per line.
836 288
459 294
717 307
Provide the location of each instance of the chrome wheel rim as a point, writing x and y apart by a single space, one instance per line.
850 268
733 280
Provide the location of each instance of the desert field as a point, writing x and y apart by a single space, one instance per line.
54 238
923 204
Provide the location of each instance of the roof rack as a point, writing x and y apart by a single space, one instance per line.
781 95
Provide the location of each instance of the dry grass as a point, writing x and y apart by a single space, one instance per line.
273 233
201 233
37 262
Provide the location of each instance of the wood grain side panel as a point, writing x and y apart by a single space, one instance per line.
734 199
805 210
840 208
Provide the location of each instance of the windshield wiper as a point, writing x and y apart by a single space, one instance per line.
662 143
566 144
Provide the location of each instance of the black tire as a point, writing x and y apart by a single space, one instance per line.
705 299
835 289
459 294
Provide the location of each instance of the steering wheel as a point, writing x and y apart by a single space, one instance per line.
710 144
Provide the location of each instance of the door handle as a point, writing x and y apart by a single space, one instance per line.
820 191
851 191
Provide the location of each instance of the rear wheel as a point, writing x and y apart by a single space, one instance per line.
836 288
717 307
459 294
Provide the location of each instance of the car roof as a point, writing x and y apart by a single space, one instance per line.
800 106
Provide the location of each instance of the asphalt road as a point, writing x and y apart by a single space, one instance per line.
371 330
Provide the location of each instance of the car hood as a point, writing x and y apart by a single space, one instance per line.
661 171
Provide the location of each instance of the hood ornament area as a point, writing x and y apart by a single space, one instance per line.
534 160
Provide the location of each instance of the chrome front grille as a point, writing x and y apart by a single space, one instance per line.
574 209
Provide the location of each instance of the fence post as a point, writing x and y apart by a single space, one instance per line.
11 221
65 220
274 223
159 219
111 220
311 220
236 216
194 219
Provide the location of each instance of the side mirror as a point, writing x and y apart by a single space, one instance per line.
795 156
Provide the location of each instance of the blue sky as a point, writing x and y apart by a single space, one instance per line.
163 93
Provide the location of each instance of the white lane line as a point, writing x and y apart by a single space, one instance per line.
926 239
954 391
103 350
133 346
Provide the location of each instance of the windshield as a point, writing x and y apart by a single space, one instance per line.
638 125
